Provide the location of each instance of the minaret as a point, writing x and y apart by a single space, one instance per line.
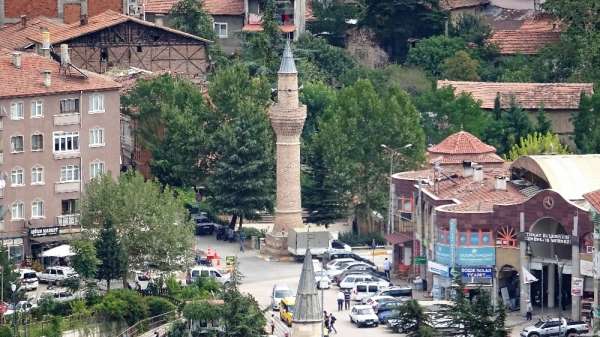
308 316
287 119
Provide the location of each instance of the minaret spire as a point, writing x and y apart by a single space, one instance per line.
308 316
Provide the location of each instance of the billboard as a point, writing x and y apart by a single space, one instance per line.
466 255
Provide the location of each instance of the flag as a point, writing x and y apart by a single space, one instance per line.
528 277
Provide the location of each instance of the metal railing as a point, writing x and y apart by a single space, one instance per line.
148 324
67 220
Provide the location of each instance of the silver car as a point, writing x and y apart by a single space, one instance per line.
280 291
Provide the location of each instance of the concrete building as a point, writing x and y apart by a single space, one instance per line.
495 223
60 129
308 316
287 118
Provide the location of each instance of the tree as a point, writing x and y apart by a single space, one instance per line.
460 67
84 261
110 252
149 219
317 97
351 134
188 16
261 50
537 143
331 20
417 321
586 124
508 126
413 80
396 21
543 124
242 316
430 53
471 28
8 273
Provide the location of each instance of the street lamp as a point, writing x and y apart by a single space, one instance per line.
393 153
560 270
13 287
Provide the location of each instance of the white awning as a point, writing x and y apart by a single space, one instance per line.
60 251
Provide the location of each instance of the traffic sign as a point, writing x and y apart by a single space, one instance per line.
420 260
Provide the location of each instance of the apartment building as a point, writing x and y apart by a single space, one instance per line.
60 128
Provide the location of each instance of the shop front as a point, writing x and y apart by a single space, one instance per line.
44 238
14 247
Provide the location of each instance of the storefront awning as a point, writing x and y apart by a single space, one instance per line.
56 238
398 238
60 251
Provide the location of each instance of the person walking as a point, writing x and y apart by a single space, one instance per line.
332 320
272 324
387 266
529 313
242 238
347 299
340 300
326 320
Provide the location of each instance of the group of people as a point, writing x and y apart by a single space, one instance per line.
343 299
329 320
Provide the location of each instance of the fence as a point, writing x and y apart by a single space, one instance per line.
148 324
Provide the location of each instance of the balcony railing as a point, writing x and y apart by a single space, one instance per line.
67 154
66 119
67 220
67 187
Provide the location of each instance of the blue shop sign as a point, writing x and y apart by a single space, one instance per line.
466 255
477 272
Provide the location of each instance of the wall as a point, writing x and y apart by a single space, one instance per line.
71 13
15 8
51 8
233 43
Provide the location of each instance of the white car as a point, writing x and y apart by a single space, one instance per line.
28 279
206 271
354 266
363 315
57 274
22 306
279 292
362 291
349 281
334 264
341 267
58 295
322 280
374 301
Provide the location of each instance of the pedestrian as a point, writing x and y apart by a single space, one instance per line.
347 299
326 319
387 266
242 238
332 320
529 313
156 334
340 300
272 324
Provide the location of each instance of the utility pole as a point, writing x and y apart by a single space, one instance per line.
560 270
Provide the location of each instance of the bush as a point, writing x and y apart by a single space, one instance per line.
158 305
48 306
251 231
123 305
362 239
5 331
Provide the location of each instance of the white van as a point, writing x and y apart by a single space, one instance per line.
363 290
28 279
205 271
58 274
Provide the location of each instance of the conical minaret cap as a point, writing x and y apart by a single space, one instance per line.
308 302
288 66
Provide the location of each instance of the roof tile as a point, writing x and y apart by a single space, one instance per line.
461 142
594 199
15 36
522 41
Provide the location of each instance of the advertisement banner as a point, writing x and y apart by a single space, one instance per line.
477 272
43 231
438 269
576 286
466 255
452 241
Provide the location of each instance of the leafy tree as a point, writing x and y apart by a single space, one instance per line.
417 321
586 124
430 53
508 126
123 305
203 311
318 97
242 316
331 20
443 113
8 273
158 306
188 16
351 134
543 124
151 223
471 28
85 261
413 80
110 252
261 50
460 67
396 21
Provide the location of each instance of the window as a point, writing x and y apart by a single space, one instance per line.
96 169
69 206
16 177
16 111
17 211
220 29
66 141
16 144
37 175
69 105
96 137
37 209
69 173
37 109
96 103
37 142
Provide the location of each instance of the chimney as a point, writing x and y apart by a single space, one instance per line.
23 21
45 42
64 55
159 20
16 59
467 168
47 78
83 12
83 19
501 183
477 173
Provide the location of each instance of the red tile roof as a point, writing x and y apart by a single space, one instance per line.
102 21
522 41
461 142
223 7
28 80
159 6
401 237
14 36
556 96
483 158
594 199
288 28
456 4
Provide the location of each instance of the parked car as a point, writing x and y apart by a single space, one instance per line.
363 315
335 264
322 280
28 279
58 295
335 254
349 281
387 310
372 272
354 266
404 293
140 280
361 291
279 292
286 310
555 327
375 301
203 225
205 271
57 274
21 306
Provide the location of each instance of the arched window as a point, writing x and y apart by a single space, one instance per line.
37 175
37 209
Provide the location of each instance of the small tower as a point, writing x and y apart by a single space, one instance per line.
287 119
308 317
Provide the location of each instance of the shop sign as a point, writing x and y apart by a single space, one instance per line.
477 272
561 239
466 255
438 269
420 259
230 261
12 242
44 231
576 286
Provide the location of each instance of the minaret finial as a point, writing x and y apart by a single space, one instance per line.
288 66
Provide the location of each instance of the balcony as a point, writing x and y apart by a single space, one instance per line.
67 220
67 154
67 187
66 119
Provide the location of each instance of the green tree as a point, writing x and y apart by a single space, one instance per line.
205 311
331 20
396 21
471 28
508 126
261 50
586 124
8 273
110 252
413 80
150 221
430 53
188 16
242 316
123 305
318 97
543 124
85 261
461 67
412 315
518 68
351 135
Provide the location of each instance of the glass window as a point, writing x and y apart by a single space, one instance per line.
66 141
69 173
37 209
17 211
16 111
97 103
220 29
96 169
97 137
37 109
16 177
69 105
16 144
37 142
37 175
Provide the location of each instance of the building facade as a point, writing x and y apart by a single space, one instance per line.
60 129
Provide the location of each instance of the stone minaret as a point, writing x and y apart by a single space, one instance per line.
287 118
308 316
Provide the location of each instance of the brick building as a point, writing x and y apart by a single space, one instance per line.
67 11
493 222
60 129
